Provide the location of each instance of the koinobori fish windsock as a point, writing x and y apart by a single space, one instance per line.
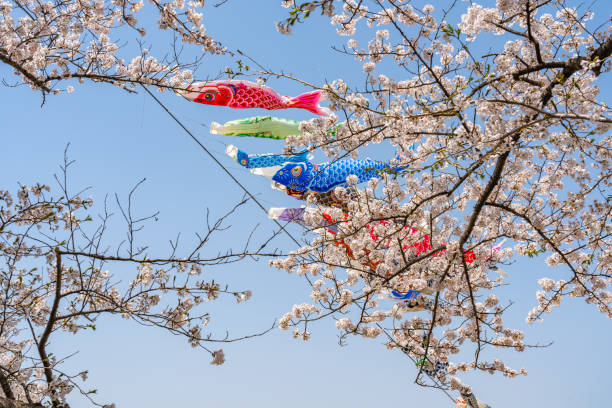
244 94
324 177
298 216
258 126
253 161
268 127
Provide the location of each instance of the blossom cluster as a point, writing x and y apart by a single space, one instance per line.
512 145
54 277
55 41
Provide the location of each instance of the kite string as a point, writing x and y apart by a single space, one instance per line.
239 184
218 163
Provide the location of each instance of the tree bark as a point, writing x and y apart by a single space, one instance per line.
11 403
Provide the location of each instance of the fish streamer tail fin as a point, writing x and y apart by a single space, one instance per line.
310 102
217 128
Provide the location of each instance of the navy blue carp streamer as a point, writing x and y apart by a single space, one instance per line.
326 176
255 161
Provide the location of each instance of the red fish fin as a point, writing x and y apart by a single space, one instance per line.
310 102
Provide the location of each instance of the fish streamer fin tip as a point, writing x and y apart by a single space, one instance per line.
310 102
275 212
215 128
231 151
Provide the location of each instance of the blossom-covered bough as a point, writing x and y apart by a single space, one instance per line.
512 142
49 43
60 272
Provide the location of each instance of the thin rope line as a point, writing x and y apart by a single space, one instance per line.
248 193
219 163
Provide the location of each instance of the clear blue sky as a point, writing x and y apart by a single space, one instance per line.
119 138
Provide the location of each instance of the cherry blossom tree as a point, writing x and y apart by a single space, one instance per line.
50 43
58 273
511 142
495 110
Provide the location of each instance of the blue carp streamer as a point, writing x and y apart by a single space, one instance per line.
253 161
306 175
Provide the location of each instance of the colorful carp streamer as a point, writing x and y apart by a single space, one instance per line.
421 303
297 215
411 294
439 369
325 177
253 161
258 126
262 126
244 94
411 301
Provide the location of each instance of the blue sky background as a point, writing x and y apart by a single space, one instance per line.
119 138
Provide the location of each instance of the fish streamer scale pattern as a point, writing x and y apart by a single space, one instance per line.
268 160
247 97
336 173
